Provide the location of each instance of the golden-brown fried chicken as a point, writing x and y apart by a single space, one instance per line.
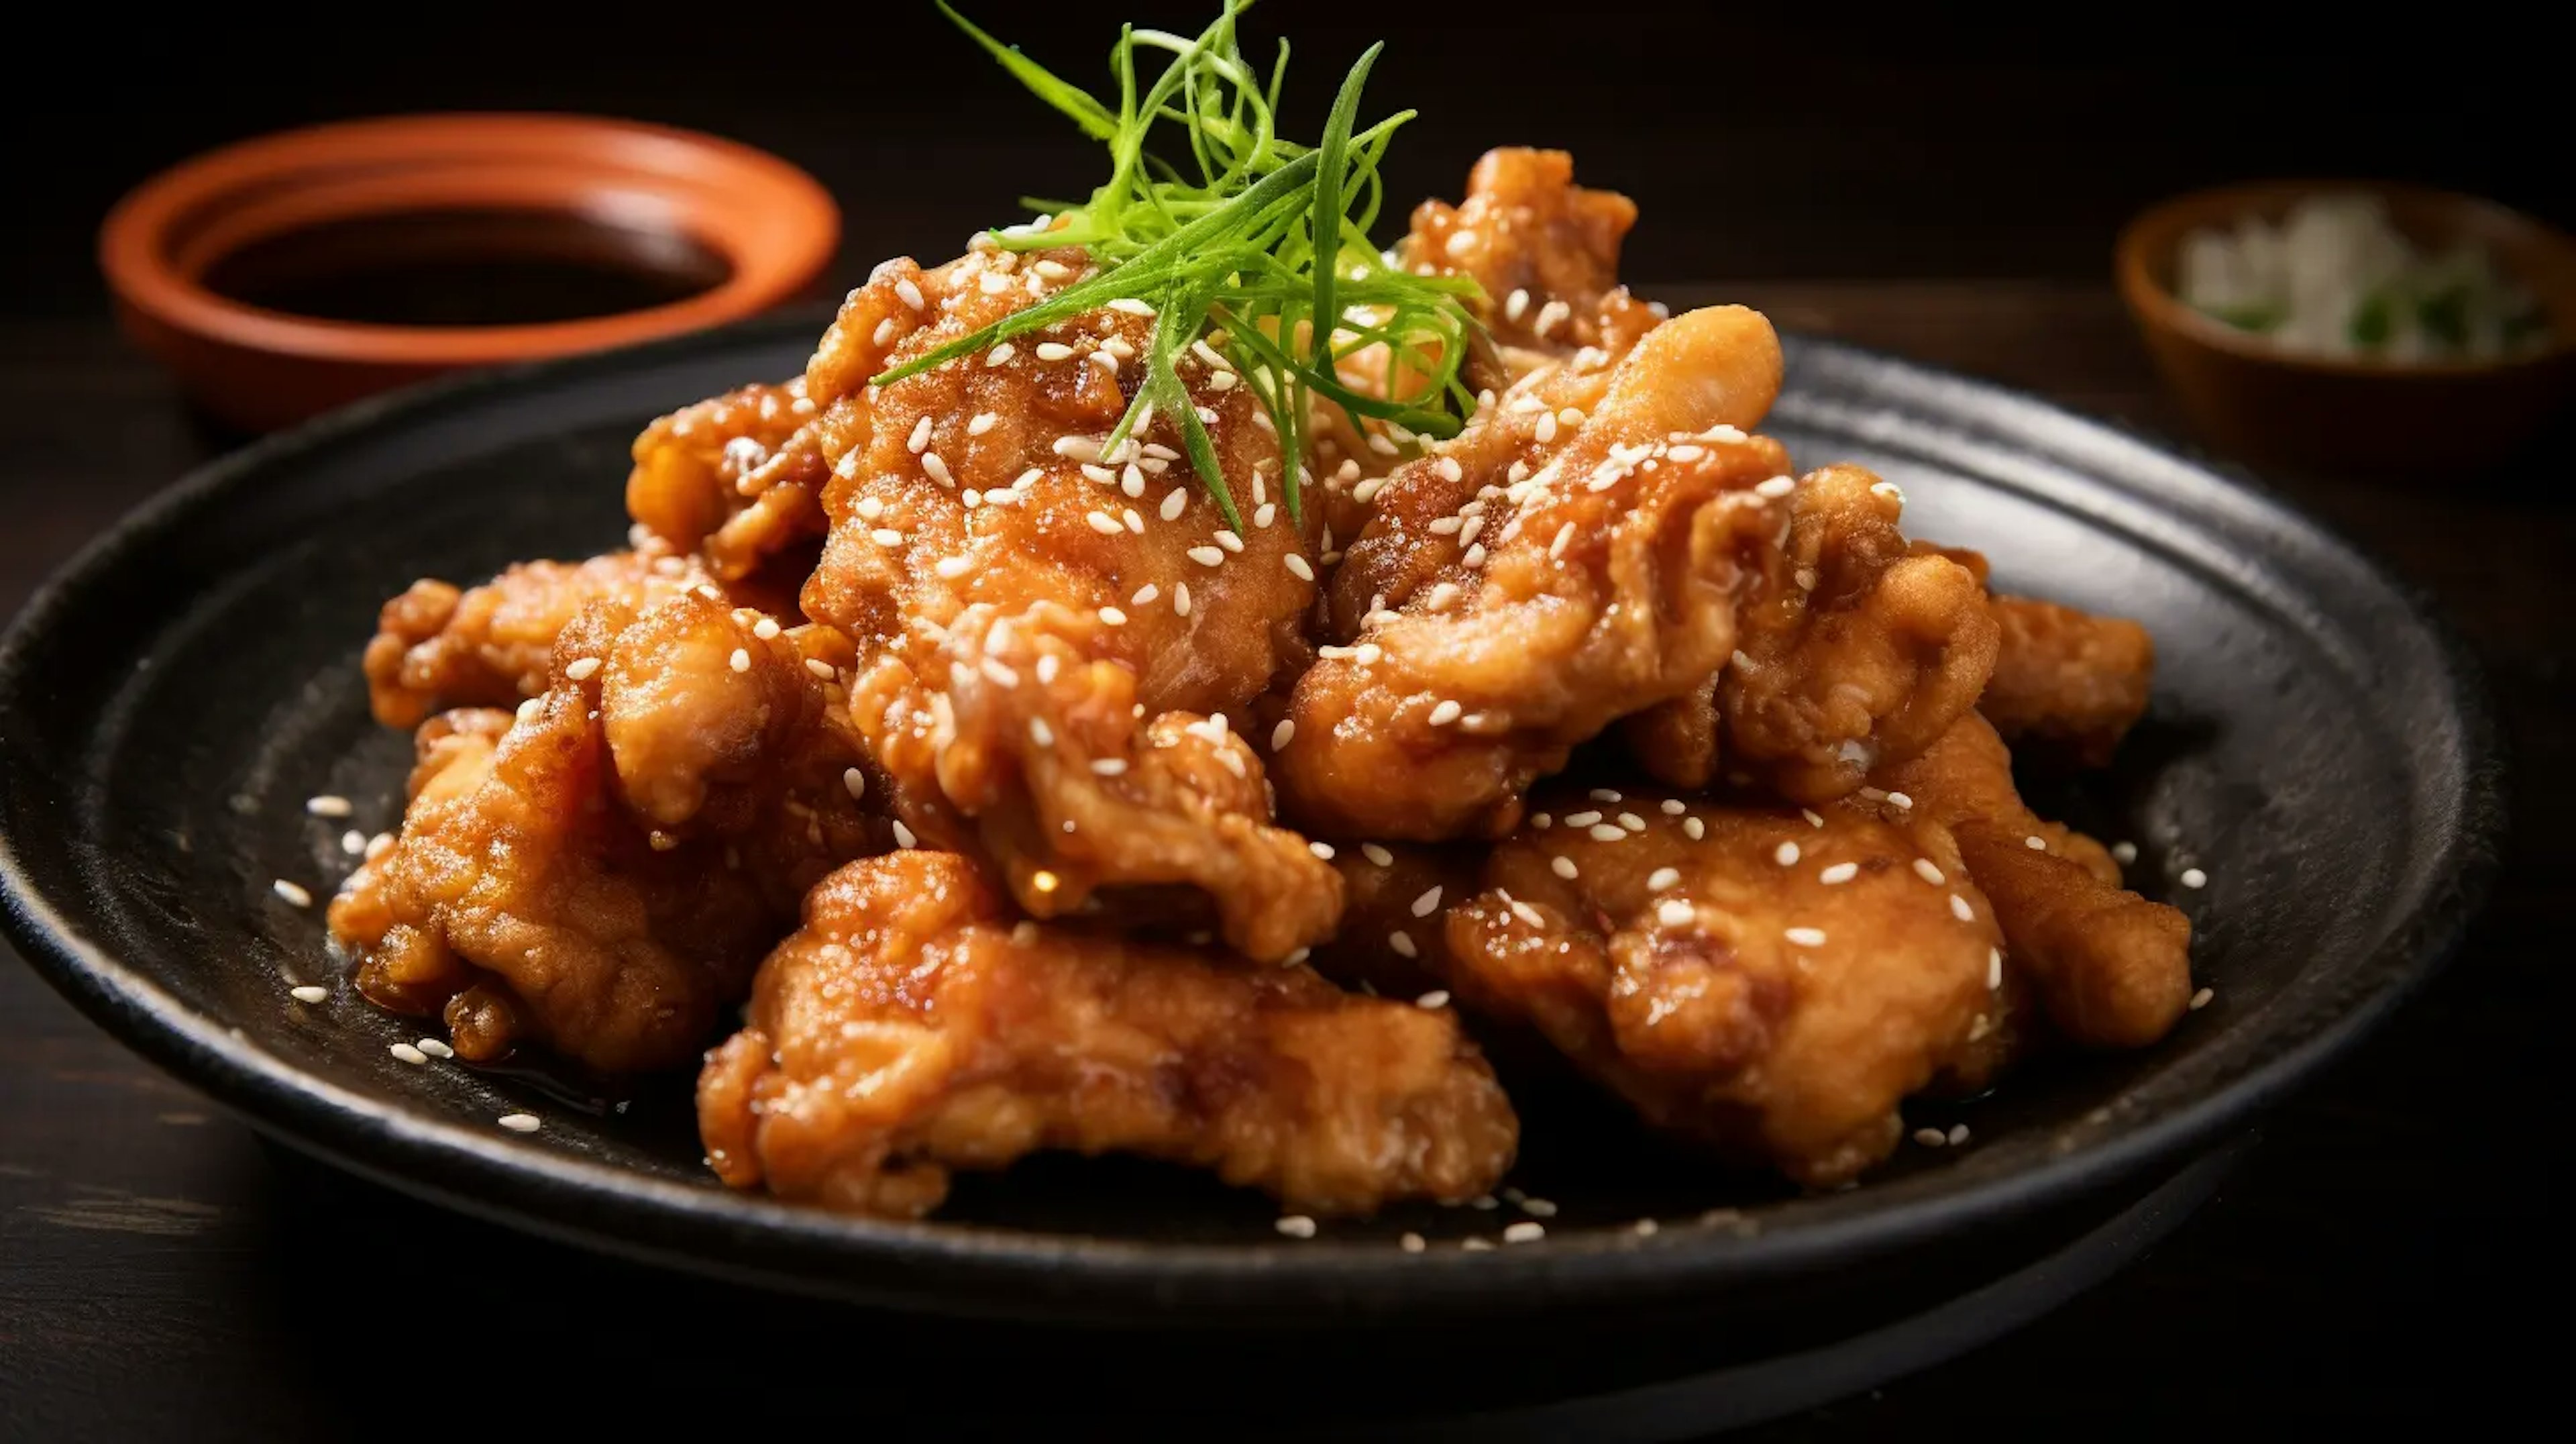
1043 629
437 646
602 872
1771 984
910 1029
2067 683
735 479
1575 555
1857 650
2111 969
1544 250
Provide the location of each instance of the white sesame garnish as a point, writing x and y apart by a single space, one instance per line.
937 470
1475 1245
741 660
1694 829
919 441
1206 556
1662 878
2193 877
333 805
309 994
1959 909
1112 617
1838 874
1054 351
1924 869
408 1054
1899 800
1645 1228
1514 304
1805 937
1296 1225
1040 733
1377 854
884 331
1436 998
2124 853
951 568
293 893
1776 487
1000 354
1280 734
911 295
1526 1231
1103 523
1228 540
903 835
1447 712
1583 819
1814 818
2201 999
2035 843
1605 832
886 536
1673 913
353 842
1426 904
1786 854
1367 654
1400 943
1994 969
1931 1137
819 668
1412 1243
1958 1134
1180 599
520 1122
854 782
1563 867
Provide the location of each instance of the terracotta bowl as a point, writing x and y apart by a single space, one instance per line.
2356 417
720 231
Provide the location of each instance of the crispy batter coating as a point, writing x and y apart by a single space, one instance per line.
1857 650
1552 569
2111 969
909 1029
1527 231
1040 627
2067 683
736 478
438 646
601 873
1773 987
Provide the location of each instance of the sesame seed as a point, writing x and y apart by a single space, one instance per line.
1401 943
1040 733
910 293
1924 869
1436 998
1526 1231
1296 1225
1662 878
1806 937
1108 360
920 438
937 470
1412 1243
1958 1134
819 668
1838 874
1899 800
379 845
1180 599
408 1054
885 536
884 331
1024 934
1546 428
741 660
2201 999
951 568
2124 853
1424 905
1604 794
1322 850
1228 540
1103 523
1484 1202
2193 877
1514 304
1377 854
1646 1228
1563 867
1000 671
1604 832
294 894
1134 522
1538 1207
854 782
2035 843
309 994
1673 913
1528 914
1447 712
1814 818
528 710
353 842
1994 969
903 836
1550 316
1112 617
1000 354
1564 539
1583 819
1694 829
332 805
1280 734
1775 488
1144 594
1206 556
1367 654
1054 351
520 1122
1786 854
1931 1137
1959 909
1045 881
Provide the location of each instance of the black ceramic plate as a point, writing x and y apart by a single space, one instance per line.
170 701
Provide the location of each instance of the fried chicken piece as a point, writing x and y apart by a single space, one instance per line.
2111 969
437 646
1556 566
735 479
910 1029
1041 629
1391 939
600 873
1544 250
2067 683
1772 987
1857 651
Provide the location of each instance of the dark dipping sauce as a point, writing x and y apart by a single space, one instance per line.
467 268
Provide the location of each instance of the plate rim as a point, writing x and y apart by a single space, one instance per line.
921 1265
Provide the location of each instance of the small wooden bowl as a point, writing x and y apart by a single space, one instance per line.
768 227
2325 415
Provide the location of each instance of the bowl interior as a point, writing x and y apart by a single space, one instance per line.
168 710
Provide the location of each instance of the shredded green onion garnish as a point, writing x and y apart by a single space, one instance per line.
1260 248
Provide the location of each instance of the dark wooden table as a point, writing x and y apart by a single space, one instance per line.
2386 1255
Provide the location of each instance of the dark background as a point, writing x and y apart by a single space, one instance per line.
1943 186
